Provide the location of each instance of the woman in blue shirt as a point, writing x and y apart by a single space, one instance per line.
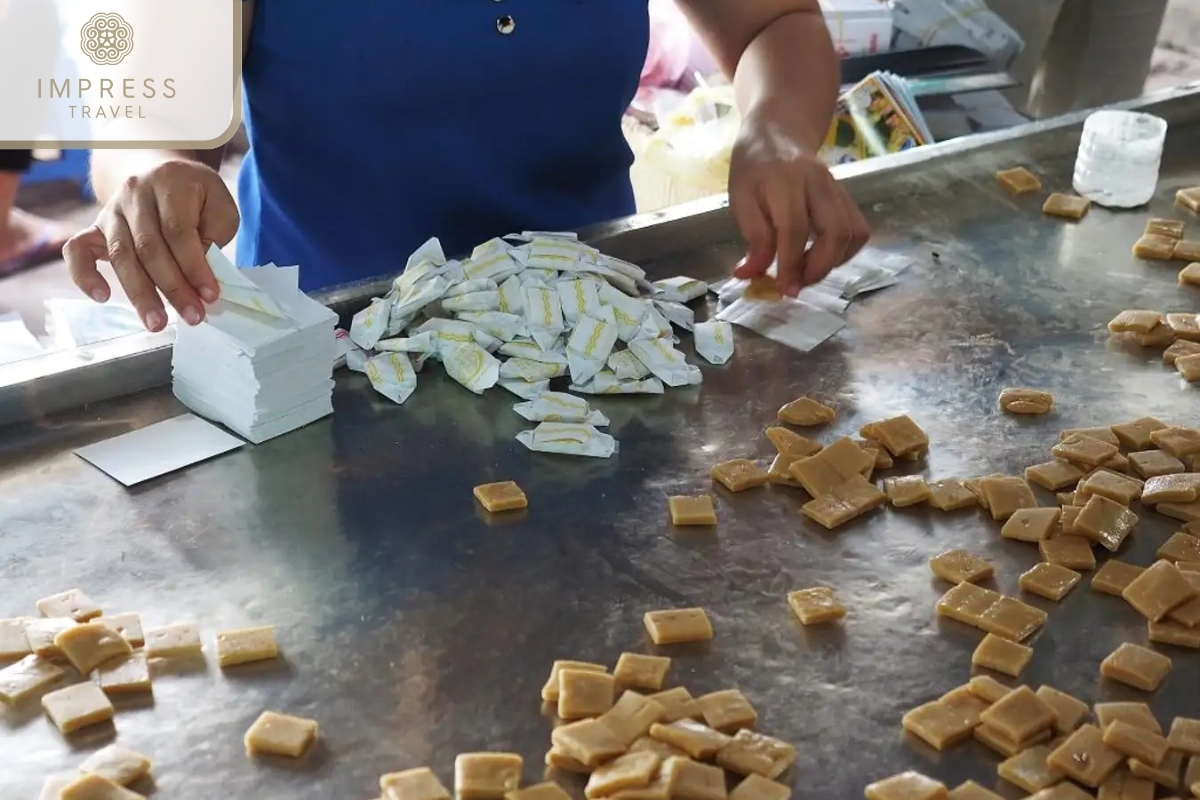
373 126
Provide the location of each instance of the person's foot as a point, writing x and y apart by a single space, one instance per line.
29 241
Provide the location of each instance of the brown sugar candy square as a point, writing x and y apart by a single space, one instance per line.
1001 655
1170 228
1190 275
832 467
951 495
1138 714
692 511
1158 591
1115 576
676 625
788 442
1030 524
1054 475
987 688
550 688
628 771
816 605
1068 711
588 741
1072 552
900 435
1066 206
1188 367
1146 746
691 780
1012 619
1187 512
1119 488
1178 442
805 412
1006 495
1185 736
1178 488
1153 463
1026 401
548 790
967 603
1154 248
693 738
739 475
940 725
1018 715
1135 321
1180 547
970 790
1173 633
906 786
1018 180
503 496
1003 745
419 783
637 671
780 470
846 502
486 776
1050 581
1178 349
968 702
1103 434
89 645
756 787
1084 450
1186 250
1104 521
1159 337
1165 774
677 703
584 693
1085 758
906 490
1122 785
1136 666
1066 520
957 566
727 711
631 716
752 753
1028 770
1184 326
1189 199
1135 435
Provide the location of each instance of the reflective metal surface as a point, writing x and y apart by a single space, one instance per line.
414 628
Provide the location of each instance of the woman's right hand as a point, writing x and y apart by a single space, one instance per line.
155 232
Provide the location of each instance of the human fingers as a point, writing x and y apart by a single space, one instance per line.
755 227
139 288
81 252
156 256
788 210
195 209
835 230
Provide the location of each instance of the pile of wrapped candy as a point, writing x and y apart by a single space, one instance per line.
529 308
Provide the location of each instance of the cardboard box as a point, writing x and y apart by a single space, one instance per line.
858 27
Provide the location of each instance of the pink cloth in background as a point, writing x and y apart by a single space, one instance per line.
676 53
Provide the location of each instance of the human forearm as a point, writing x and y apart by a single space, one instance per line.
111 168
792 67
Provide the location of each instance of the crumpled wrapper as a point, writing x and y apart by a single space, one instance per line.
626 366
714 341
680 289
510 297
422 343
504 327
677 314
569 438
628 312
579 296
543 315
527 370
607 383
560 407
392 375
526 390
589 347
474 301
472 366
667 363
520 348
369 325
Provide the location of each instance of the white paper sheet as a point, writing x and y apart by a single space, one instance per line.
158 449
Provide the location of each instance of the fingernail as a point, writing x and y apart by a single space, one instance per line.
99 295
208 294
742 263
192 315
793 289
156 321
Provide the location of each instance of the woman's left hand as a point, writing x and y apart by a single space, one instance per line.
780 194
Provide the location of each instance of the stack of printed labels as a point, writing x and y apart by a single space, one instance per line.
262 362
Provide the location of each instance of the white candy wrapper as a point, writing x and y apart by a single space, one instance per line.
543 315
677 314
475 301
680 289
695 376
504 327
431 251
526 390
655 325
560 407
492 259
569 438
626 366
531 351
451 332
529 236
238 289
578 296
530 371
392 375
625 269
589 347
558 253
627 311
538 277
511 300
789 322
369 325
426 343
420 295
714 341
472 366
606 382
472 286
667 363
350 355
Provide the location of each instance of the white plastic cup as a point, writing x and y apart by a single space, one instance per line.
1119 156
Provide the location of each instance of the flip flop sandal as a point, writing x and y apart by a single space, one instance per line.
44 250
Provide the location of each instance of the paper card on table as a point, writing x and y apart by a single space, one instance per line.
789 322
158 449
238 289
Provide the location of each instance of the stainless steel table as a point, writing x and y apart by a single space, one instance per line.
414 628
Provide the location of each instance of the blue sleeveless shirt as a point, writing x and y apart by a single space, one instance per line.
375 125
